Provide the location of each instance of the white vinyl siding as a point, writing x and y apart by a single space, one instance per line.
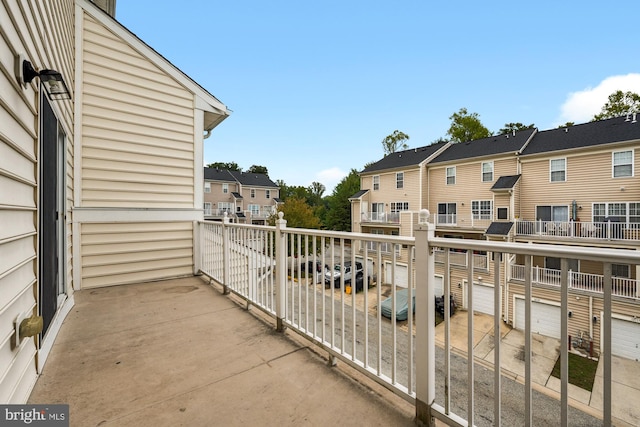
118 253
43 31
558 170
138 130
622 164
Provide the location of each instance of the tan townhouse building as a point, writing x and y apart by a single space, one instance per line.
101 153
391 196
243 197
568 186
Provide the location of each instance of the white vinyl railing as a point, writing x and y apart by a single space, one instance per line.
607 230
261 264
480 261
473 221
621 287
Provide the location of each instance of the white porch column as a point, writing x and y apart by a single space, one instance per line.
425 321
281 271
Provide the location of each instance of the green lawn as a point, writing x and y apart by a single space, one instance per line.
582 371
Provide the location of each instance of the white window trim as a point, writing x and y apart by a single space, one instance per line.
252 193
565 169
267 194
482 171
225 188
446 175
480 210
375 180
397 175
207 187
633 169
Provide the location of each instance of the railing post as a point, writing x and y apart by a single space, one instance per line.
197 247
425 321
226 255
281 271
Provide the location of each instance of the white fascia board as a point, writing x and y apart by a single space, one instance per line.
106 215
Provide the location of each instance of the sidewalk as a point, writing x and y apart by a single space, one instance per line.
546 350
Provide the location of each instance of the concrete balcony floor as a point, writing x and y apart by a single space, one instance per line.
179 353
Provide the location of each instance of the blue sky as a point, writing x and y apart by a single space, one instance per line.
315 86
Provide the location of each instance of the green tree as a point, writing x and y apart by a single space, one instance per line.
298 214
566 125
232 166
514 127
259 169
339 207
466 127
394 142
619 104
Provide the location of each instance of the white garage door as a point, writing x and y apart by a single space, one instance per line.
401 274
625 339
482 298
545 318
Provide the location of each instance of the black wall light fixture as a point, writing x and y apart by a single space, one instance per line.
52 80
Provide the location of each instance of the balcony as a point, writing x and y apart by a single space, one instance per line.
594 283
189 354
381 217
624 232
474 222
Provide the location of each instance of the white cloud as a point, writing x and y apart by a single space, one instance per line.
581 106
330 178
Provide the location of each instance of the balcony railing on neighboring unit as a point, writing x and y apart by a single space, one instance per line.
455 220
383 217
621 286
260 264
459 259
608 230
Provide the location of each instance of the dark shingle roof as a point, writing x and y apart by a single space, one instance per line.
253 179
218 175
400 159
236 195
499 228
584 135
506 182
496 144
359 194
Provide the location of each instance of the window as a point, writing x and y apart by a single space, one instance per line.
225 207
451 175
446 213
207 208
555 264
267 194
617 211
503 213
481 209
487 171
400 180
399 206
620 270
254 209
622 163
225 188
558 170
253 193
552 213
207 187
377 211
376 182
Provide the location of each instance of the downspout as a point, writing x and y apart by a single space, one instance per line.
207 135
